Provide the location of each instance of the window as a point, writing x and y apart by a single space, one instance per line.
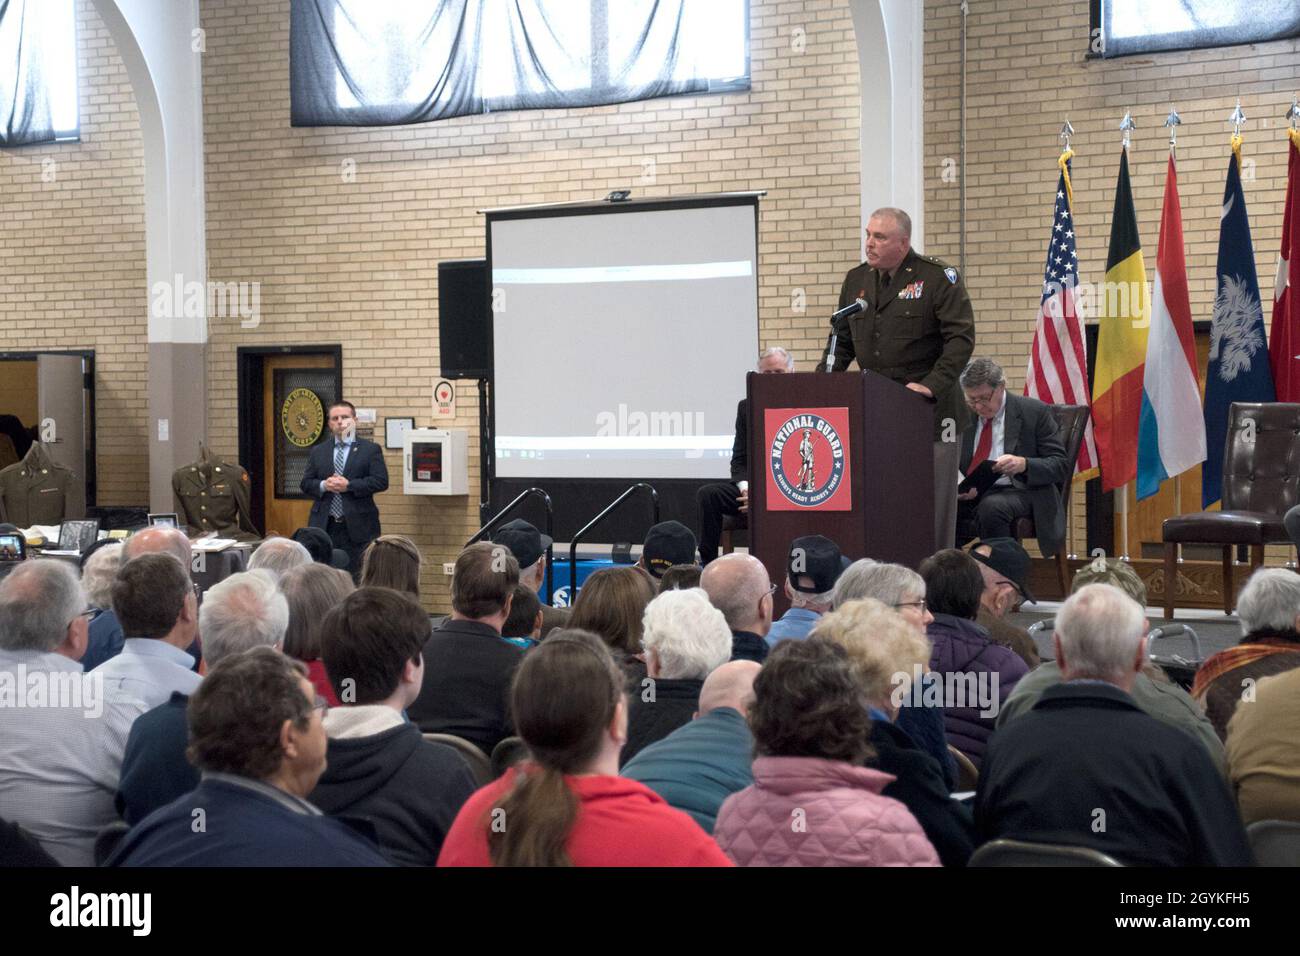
362 63
38 72
1128 27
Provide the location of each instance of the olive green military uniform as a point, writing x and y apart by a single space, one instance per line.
917 328
213 495
35 490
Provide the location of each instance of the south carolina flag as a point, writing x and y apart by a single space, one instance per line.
1284 342
1123 317
1171 434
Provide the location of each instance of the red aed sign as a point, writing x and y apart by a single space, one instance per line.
807 459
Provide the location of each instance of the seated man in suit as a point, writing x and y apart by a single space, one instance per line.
1019 436
732 497
344 475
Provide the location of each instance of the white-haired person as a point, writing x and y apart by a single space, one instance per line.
238 613
279 556
59 761
887 656
1088 767
903 590
1269 609
685 639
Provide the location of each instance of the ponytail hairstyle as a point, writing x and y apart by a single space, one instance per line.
564 697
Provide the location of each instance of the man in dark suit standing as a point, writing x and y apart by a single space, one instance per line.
1020 437
732 497
344 475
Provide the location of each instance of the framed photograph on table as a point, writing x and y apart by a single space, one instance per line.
395 431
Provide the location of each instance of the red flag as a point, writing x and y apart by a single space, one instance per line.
1284 339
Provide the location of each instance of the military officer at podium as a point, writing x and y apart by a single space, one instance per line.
912 323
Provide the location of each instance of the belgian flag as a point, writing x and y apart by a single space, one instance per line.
1124 317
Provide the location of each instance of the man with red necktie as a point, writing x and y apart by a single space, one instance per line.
1020 437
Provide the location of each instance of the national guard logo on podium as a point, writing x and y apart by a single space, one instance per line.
302 416
807 459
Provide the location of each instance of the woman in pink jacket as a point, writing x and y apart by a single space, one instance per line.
812 802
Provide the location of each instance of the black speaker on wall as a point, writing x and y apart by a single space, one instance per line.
464 332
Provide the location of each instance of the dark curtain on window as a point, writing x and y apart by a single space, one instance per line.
368 63
1144 26
25 113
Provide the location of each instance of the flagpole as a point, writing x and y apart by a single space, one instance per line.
1126 126
1173 121
1063 161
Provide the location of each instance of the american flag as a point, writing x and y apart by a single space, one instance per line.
1058 369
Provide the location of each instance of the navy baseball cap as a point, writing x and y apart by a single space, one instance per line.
817 557
525 542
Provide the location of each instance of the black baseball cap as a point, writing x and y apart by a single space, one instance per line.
525 542
321 547
817 557
1008 558
666 544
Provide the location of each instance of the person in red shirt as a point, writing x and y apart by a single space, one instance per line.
567 806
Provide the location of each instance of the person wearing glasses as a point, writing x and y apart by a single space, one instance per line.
1019 436
738 585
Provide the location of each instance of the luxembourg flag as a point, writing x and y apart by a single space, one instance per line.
1171 430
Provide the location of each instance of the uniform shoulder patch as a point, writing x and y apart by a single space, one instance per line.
951 273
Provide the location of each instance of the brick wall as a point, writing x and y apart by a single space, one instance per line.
72 269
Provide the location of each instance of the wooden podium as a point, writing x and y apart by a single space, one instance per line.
875 500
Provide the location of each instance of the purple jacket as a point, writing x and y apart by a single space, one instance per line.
805 811
978 675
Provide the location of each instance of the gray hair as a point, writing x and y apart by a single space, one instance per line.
279 555
780 353
804 599
98 574
893 212
687 634
1100 628
1269 601
981 371
244 611
38 600
888 583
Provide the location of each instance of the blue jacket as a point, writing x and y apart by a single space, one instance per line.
243 823
699 765
154 768
793 625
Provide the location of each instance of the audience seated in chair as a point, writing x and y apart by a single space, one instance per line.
813 802
467 666
1263 750
529 545
685 640
279 556
903 590
567 806
666 545
1087 767
681 577
888 656
257 737
1004 563
59 765
523 627
813 566
1152 690
977 673
739 587
1269 608
378 766
701 763
243 611
392 561
612 605
312 591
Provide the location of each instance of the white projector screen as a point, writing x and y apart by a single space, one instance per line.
621 338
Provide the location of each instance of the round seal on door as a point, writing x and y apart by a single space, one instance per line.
302 417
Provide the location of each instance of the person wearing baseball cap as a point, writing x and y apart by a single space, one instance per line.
529 547
1004 565
666 544
321 548
812 568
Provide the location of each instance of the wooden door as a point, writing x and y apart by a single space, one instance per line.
286 510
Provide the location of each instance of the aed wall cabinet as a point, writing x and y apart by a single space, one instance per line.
435 461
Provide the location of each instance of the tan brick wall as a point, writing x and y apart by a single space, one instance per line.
355 262
1026 73
72 266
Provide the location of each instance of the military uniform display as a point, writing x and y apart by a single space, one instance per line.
213 495
918 327
35 490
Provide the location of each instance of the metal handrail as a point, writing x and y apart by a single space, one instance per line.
1164 630
573 544
550 528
